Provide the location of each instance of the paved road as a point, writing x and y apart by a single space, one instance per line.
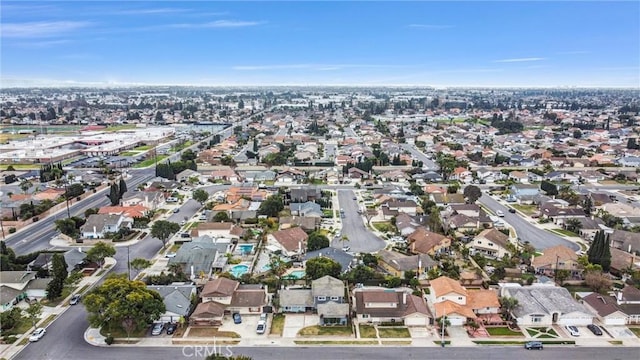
427 163
36 236
361 239
539 238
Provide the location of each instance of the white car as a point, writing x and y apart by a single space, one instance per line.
262 327
37 335
500 213
572 330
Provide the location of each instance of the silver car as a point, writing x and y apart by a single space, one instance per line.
157 329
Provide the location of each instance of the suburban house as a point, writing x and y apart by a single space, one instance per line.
326 297
449 298
398 264
135 211
338 255
18 285
200 256
606 309
223 296
309 209
407 206
558 212
218 230
557 258
447 199
625 240
524 193
390 306
178 299
423 241
98 225
492 243
151 200
291 241
186 174
306 223
302 195
545 305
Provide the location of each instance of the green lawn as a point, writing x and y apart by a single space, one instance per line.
383 226
367 331
525 209
277 324
326 330
144 147
23 326
542 333
129 153
564 232
503 331
66 291
120 127
120 333
635 330
335 342
150 161
21 166
394 332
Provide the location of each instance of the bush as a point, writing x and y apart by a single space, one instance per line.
12 230
108 340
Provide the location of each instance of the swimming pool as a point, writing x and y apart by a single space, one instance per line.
245 248
296 274
239 270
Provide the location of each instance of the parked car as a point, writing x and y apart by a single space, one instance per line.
171 328
157 329
512 210
500 213
183 222
595 329
346 248
262 326
533 345
573 331
237 319
176 210
263 317
75 300
37 335
170 255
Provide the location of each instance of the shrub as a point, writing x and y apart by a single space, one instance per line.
108 340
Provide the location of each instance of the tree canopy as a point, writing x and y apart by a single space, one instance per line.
163 230
271 206
472 193
322 266
122 303
200 196
317 241
100 251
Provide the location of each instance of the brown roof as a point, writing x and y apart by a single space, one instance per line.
630 293
220 287
290 238
215 226
480 299
495 236
249 298
449 307
554 254
445 285
424 241
602 304
414 304
210 309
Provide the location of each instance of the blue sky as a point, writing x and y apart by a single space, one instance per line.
595 44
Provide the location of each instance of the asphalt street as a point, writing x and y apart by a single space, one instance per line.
426 162
539 238
361 239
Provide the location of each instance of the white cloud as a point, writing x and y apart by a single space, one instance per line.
41 29
519 60
429 26
218 24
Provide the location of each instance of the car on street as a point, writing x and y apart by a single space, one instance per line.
183 222
75 300
355 198
170 255
37 335
533 345
512 210
176 210
500 213
595 329
157 329
237 319
262 326
346 248
572 330
171 328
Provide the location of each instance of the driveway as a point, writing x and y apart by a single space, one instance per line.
294 322
361 240
246 329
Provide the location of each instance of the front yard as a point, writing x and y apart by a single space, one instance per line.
326 331
542 333
384 226
503 331
393 332
526 209
211 332
367 331
564 232
277 324
635 330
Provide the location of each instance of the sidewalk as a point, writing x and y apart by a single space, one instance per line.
9 351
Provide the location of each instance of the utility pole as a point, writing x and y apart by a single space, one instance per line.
66 193
444 320
555 273
128 264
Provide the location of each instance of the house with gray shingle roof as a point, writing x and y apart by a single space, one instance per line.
177 300
545 305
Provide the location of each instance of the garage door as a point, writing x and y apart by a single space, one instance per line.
456 320
416 321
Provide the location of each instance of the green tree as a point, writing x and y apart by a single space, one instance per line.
34 311
25 185
67 227
271 206
123 303
114 194
573 225
360 274
140 263
200 196
322 266
100 251
222 216
507 305
561 275
472 193
59 275
163 230
122 188
317 241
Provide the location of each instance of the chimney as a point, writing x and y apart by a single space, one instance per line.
619 296
404 298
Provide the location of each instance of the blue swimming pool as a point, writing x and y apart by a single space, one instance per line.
239 270
245 248
296 274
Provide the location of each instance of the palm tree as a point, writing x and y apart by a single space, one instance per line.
574 225
175 268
